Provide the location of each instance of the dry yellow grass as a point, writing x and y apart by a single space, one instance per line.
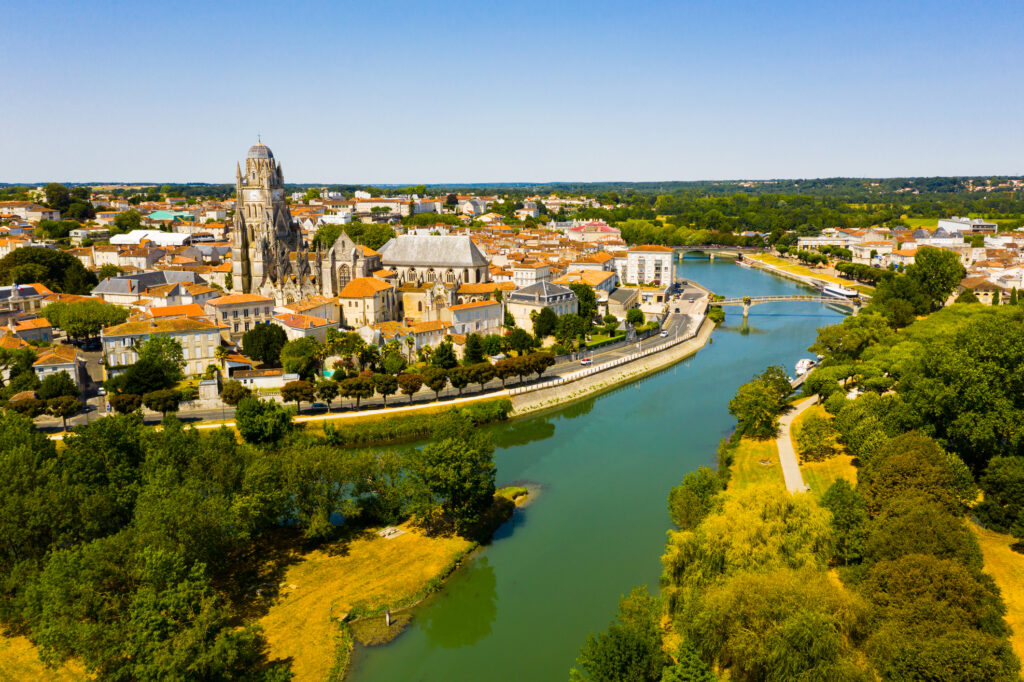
747 469
19 660
820 475
1006 567
796 269
372 571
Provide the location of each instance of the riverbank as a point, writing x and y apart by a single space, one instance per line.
335 596
590 386
800 273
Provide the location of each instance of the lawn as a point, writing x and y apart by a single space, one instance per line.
803 270
597 339
369 571
747 469
1006 567
19 660
820 475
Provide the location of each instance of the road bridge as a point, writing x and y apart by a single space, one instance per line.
713 251
748 301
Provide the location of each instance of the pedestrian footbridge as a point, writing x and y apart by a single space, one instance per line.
748 301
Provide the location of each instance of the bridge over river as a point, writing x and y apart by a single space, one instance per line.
748 301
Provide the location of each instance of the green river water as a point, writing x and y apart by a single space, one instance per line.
521 607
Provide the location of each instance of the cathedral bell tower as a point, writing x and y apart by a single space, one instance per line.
263 236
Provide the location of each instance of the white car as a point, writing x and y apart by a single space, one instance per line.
664 333
586 361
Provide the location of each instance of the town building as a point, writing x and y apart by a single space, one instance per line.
59 359
366 301
479 317
239 313
522 302
199 339
648 264
452 259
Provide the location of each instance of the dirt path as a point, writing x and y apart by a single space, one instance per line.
787 453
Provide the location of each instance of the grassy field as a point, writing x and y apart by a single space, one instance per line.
19 660
368 571
803 270
1006 567
747 469
820 475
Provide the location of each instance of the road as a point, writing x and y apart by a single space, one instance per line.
787 454
675 325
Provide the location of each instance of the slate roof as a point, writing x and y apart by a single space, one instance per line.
432 251
544 291
141 281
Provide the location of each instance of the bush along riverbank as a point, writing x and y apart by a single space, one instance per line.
881 578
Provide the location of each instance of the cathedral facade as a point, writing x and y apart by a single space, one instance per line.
269 256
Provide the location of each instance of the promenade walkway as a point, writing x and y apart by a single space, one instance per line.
787 453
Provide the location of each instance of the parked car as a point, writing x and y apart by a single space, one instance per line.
318 407
586 361
664 333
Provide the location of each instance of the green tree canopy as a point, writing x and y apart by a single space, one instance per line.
263 343
56 270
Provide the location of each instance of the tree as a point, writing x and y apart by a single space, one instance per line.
126 221
510 320
455 473
163 401
492 345
108 270
409 384
436 378
689 667
505 369
692 500
300 356
540 362
520 340
967 296
635 317
356 387
297 391
63 406
1003 485
474 351
849 519
233 391
56 385
327 390
570 326
587 300
58 196
459 378
84 319
263 343
393 363
56 270
545 322
261 422
480 373
164 352
125 403
937 272
816 438
385 385
756 411
630 650
444 356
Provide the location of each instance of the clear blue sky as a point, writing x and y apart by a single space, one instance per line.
396 92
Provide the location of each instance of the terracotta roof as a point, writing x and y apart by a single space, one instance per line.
363 287
652 247
430 326
234 299
163 325
35 323
57 355
256 373
301 321
186 310
473 304
11 342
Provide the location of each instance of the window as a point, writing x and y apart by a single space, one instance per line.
245 313
224 315
246 326
234 314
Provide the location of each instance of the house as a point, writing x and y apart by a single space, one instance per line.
80 234
35 329
598 280
901 257
199 339
366 301
59 359
129 289
239 313
522 302
318 306
525 274
648 264
26 210
297 326
869 253
621 301
479 317
23 298
263 378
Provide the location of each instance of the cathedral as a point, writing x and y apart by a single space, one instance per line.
267 250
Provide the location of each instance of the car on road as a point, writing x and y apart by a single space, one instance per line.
586 361
664 333
101 391
318 407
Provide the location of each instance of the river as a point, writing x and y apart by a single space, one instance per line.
521 607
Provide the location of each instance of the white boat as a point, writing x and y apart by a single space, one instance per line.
836 291
804 365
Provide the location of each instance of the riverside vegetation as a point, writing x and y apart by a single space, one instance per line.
138 553
881 579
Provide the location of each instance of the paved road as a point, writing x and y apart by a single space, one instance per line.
787 455
675 324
